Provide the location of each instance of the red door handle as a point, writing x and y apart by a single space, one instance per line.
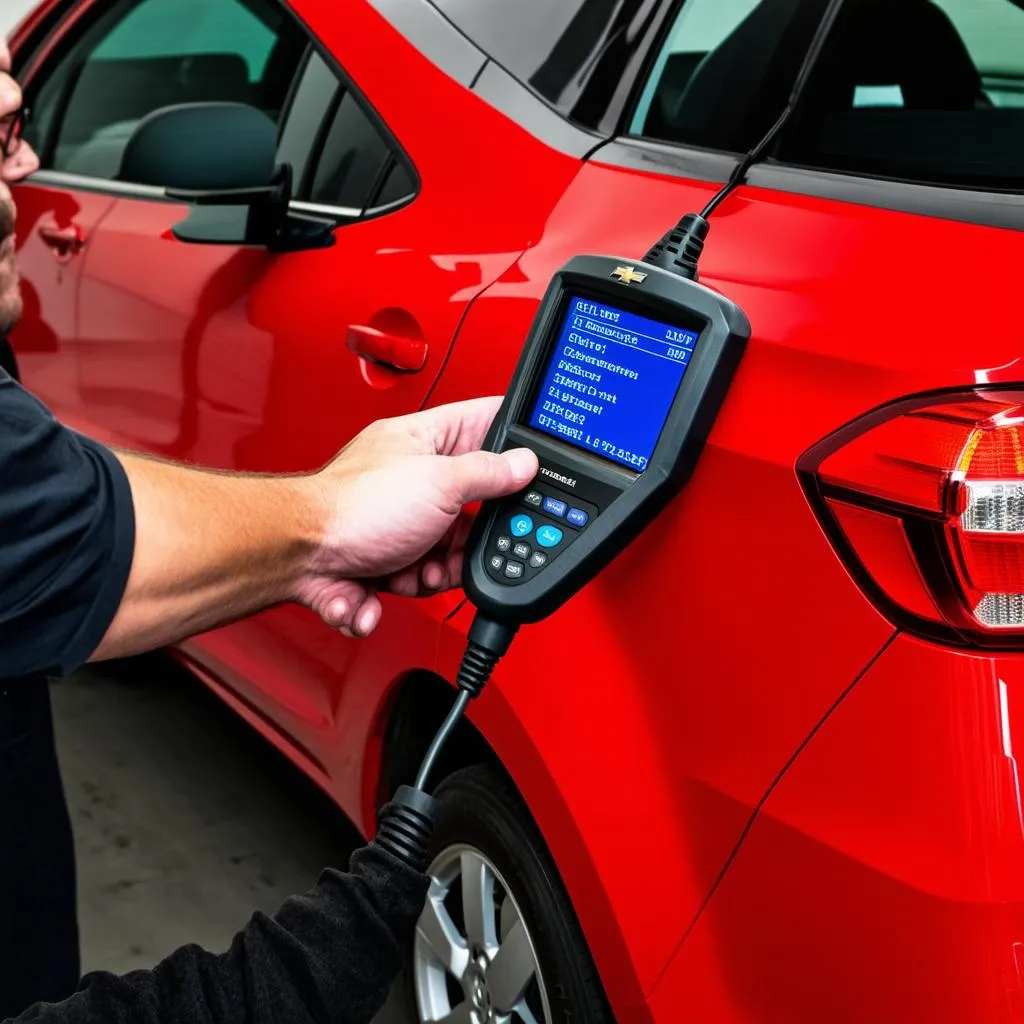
65 242
391 350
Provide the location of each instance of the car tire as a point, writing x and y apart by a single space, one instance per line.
485 833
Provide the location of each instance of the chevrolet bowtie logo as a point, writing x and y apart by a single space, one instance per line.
628 275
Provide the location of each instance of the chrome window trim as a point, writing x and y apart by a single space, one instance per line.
126 190
87 183
326 210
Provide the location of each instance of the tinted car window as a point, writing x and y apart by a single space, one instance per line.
141 56
725 71
398 184
311 103
919 90
581 56
340 152
353 160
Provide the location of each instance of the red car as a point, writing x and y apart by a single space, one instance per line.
763 769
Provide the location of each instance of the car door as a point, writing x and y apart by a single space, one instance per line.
239 358
56 222
114 64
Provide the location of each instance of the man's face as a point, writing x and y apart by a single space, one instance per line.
10 285
17 161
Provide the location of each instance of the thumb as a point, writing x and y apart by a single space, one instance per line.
478 476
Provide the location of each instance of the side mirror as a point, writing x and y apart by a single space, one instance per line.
220 158
201 146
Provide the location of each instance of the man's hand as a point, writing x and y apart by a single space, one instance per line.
386 515
22 160
394 506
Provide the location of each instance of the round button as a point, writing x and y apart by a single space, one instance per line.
549 536
522 526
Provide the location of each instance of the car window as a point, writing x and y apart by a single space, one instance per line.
158 29
918 90
340 152
398 184
142 55
725 71
581 56
353 157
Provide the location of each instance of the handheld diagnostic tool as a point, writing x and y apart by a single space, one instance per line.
616 390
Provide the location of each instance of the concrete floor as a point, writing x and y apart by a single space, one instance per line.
185 820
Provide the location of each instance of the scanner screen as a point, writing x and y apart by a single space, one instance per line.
611 381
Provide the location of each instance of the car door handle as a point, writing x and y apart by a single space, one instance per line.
65 242
390 350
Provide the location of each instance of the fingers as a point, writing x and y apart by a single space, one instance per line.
5 55
348 607
461 426
365 619
429 577
478 476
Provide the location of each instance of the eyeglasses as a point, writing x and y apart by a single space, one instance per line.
12 129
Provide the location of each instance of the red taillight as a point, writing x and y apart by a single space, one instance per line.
924 500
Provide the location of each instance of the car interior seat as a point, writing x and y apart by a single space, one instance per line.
738 89
109 97
896 93
906 45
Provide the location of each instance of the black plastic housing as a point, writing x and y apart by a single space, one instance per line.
627 500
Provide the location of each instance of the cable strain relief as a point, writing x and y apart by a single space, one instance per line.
488 642
679 250
476 668
492 636
407 826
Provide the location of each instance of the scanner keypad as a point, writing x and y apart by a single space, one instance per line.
532 530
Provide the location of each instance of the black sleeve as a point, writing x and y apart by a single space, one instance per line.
67 535
328 956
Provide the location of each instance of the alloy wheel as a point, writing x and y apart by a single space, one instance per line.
474 961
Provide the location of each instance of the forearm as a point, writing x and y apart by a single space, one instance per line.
328 956
210 548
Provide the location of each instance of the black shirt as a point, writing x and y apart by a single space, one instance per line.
67 533
328 957
66 544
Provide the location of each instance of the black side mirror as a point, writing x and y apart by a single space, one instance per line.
220 158
202 146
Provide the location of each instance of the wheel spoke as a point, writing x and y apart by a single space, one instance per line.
512 970
478 907
438 931
524 1014
462 1014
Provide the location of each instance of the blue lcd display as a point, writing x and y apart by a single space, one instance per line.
611 381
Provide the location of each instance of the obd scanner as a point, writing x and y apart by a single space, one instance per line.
616 391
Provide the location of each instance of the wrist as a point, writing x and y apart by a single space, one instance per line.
308 515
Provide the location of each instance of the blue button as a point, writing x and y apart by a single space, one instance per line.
549 536
522 526
554 507
577 517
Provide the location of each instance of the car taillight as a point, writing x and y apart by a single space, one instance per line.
924 501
